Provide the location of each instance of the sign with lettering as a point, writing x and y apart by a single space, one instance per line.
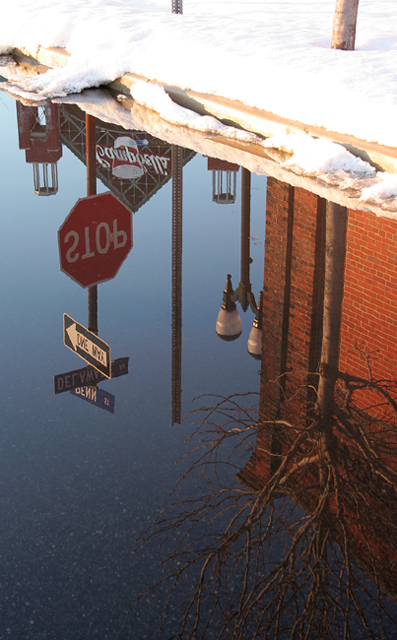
131 158
95 239
87 345
87 376
134 165
99 397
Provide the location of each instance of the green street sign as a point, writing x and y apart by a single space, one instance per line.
87 345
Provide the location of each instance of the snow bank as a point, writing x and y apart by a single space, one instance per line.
154 97
273 55
318 156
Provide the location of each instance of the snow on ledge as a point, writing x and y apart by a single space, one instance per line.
275 56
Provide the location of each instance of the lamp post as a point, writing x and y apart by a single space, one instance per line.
228 324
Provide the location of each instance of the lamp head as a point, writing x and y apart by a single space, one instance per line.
228 324
254 344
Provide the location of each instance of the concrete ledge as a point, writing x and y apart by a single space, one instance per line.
231 112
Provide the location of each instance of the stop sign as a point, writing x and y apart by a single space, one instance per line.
95 239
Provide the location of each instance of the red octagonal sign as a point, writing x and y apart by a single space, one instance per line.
95 239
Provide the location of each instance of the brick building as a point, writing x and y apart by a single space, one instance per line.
292 333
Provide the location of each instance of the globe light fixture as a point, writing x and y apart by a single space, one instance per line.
254 345
228 324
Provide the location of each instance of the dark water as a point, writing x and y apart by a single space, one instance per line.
77 483
80 481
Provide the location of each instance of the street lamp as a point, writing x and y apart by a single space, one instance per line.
254 344
228 324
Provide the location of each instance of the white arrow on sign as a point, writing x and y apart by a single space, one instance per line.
81 342
87 345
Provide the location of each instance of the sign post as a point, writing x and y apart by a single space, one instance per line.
87 345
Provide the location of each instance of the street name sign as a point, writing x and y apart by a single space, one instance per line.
98 397
87 345
87 376
95 239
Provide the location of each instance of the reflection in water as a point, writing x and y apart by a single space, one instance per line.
77 484
224 181
177 197
90 123
228 324
306 546
38 130
133 164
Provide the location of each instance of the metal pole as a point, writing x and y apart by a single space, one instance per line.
245 232
90 124
243 291
90 139
177 6
93 309
177 167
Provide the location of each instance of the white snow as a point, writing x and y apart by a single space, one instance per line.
384 188
155 97
350 182
273 55
314 155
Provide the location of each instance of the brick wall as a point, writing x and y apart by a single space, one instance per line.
370 302
292 305
293 278
292 312
293 281
292 317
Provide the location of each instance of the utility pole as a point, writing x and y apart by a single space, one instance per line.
345 22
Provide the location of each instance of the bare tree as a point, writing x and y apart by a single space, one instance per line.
306 546
286 554
345 22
